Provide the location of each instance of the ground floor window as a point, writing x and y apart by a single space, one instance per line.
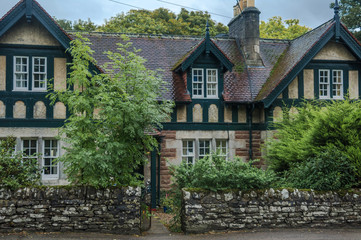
46 151
198 148
49 157
29 148
188 151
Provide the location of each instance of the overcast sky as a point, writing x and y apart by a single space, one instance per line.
311 13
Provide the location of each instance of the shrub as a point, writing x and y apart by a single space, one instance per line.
329 170
318 127
14 171
326 133
215 173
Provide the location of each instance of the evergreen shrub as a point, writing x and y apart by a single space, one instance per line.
322 140
216 173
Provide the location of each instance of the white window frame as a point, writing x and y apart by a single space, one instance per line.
215 96
40 73
50 176
196 143
328 83
23 150
200 156
189 154
21 72
334 84
198 82
221 153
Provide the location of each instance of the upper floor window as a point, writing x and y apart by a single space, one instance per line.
204 89
330 89
22 76
197 82
212 83
21 73
39 73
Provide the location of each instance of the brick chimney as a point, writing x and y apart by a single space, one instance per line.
245 28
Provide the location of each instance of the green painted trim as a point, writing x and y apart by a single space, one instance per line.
190 113
174 114
346 84
351 43
212 126
285 93
359 83
234 113
31 123
23 46
201 49
316 80
301 85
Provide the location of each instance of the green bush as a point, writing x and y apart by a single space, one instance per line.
329 170
306 138
216 173
14 171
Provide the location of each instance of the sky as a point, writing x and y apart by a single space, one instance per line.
311 13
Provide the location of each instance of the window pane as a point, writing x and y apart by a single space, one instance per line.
188 153
337 83
204 148
197 82
324 83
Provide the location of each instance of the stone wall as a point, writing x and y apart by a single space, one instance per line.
228 211
54 209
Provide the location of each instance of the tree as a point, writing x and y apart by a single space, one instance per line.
107 131
84 26
275 28
65 24
350 11
163 21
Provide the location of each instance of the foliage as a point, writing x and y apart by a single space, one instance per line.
16 172
112 118
275 28
159 21
350 12
328 170
174 200
317 128
216 173
78 25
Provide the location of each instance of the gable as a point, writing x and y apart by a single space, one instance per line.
335 51
24 33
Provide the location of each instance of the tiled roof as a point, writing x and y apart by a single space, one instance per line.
164 52
295 52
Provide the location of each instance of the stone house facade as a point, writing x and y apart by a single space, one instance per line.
227 90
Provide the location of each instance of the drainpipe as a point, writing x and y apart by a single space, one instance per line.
250 151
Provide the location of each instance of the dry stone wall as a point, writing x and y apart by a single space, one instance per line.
236 210
54 209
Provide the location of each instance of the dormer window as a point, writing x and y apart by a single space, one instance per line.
208 88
